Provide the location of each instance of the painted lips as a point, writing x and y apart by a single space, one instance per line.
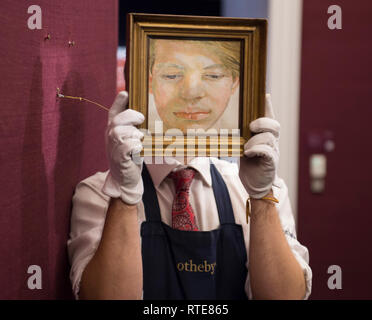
200 115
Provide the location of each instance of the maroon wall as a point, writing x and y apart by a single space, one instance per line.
336 104
48 145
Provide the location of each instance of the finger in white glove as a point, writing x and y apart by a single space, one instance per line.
119 105
267 123
264 138
261 154
123 140
121 135
128 117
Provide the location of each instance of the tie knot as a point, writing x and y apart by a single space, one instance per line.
182 179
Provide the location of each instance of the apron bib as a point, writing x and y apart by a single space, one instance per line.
192 265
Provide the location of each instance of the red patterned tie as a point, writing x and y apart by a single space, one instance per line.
183 217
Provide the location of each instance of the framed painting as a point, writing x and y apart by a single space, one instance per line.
199 81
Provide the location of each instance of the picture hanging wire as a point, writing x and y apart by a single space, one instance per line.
60 95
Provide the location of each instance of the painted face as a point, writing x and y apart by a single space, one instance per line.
191 86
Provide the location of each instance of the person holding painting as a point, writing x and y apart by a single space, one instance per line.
179 230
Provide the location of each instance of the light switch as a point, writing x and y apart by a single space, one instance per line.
318 172
318 166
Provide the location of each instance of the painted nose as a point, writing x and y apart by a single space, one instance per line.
192 88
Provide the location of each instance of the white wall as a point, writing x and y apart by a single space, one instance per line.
283 73
285 29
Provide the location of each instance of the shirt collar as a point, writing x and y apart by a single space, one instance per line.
159 172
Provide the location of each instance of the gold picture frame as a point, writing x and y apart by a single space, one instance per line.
250 34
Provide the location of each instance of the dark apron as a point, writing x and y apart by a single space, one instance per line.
181 264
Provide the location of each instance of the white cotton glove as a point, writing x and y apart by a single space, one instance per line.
259 164
123 145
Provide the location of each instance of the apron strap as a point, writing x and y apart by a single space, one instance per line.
222 197
150 198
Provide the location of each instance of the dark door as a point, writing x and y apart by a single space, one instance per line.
336 121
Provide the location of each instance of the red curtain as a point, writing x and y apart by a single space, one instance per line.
49 144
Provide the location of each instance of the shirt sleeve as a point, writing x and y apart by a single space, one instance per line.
300 252
87 221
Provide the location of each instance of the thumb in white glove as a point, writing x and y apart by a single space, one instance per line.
259 164
123 142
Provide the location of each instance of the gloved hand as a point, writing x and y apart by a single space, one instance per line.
259 164
123 144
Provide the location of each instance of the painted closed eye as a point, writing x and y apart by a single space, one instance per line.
171 76
213 76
